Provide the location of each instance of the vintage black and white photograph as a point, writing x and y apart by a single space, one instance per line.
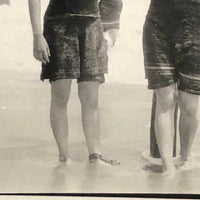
73 198
99 96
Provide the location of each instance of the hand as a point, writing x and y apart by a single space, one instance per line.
41 50
113 34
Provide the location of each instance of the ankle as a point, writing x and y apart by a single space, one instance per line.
94 156
168 165
169 168
184 156
62 158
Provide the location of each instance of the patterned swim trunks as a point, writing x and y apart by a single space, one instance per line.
78 49
171 43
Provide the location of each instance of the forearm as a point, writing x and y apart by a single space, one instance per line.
35 16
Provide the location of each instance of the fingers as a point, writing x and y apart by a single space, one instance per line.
38 55
46 55
41 49
42 56
114 34
102 50
48 51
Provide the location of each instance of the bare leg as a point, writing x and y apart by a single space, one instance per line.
88 94
60 91
164 124
188 122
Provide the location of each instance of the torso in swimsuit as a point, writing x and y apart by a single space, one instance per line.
79 7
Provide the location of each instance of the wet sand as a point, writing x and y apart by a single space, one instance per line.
28 153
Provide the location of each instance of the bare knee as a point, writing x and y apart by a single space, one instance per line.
165 98
60 94
188 103
88 94
59 99
88 103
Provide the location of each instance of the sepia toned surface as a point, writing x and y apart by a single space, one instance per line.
28 154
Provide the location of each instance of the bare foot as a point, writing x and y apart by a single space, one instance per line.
169 172
179 162
95 158
190 163
64 160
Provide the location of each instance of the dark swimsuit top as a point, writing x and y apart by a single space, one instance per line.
108 10
79 7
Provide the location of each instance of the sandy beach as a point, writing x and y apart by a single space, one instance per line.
28 153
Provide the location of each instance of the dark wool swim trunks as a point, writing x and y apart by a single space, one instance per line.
171 43
78 49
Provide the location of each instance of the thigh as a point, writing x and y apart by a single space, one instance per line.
88 91
60 89
167 94
188 101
